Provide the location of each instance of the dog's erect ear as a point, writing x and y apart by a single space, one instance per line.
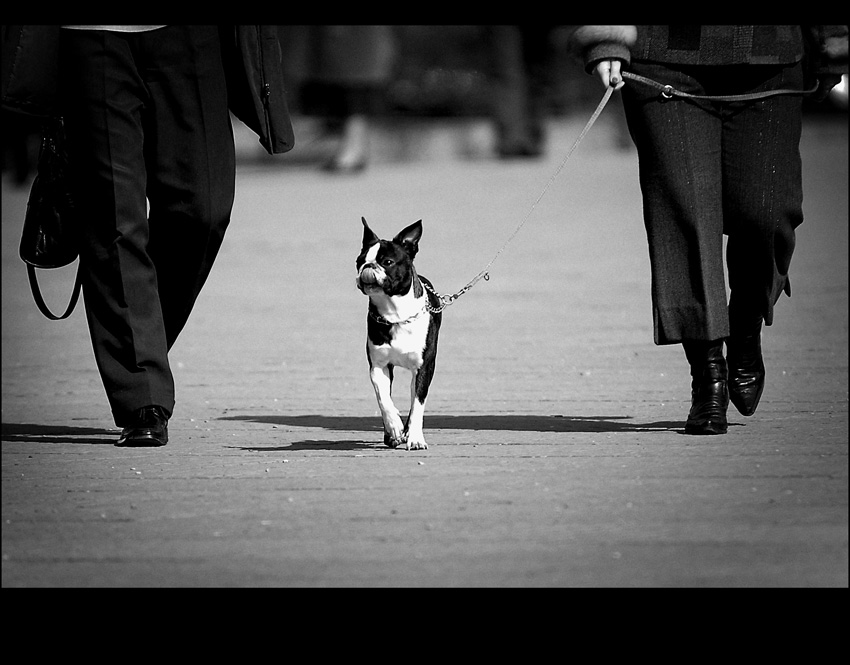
409 238
369 237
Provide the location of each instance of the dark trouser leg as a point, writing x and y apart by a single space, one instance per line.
763 196
521 56
760 192
192 168
146 116
679 152
680 168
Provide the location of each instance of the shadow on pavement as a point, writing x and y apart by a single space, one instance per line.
510 423
317 444
30 433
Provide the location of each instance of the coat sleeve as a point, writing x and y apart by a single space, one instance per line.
591 44
255 84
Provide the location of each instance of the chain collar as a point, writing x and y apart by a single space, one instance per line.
445 301
380 319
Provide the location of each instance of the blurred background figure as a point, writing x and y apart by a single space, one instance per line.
523 57
349 70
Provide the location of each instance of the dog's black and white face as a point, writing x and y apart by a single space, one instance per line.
387 265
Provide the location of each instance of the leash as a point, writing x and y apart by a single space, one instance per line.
448 299
667 92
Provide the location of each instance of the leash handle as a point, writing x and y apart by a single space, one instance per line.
669 92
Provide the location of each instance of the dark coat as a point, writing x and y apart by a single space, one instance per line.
252 63
255 88
824 47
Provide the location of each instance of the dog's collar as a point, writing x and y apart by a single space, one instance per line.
380 319
425 307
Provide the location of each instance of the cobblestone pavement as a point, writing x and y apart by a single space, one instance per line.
556 456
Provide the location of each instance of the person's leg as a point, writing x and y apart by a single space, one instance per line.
763 193
146 116
678 146
191 164
356 104
104 102
539 56
510 103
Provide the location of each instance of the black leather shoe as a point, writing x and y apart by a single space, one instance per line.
746 372
149 428
709 390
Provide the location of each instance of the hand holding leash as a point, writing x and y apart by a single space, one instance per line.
609 73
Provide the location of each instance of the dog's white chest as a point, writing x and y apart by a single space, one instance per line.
406 346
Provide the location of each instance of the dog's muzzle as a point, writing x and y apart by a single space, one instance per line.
371 277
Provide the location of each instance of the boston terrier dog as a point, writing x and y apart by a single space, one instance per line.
402 328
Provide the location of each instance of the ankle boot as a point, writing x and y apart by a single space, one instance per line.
746 367
709 391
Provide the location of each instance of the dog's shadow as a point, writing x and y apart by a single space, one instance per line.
506 423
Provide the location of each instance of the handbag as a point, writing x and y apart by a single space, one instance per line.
50 237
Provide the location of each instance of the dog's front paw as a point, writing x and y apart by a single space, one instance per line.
416 442
394 432
392 441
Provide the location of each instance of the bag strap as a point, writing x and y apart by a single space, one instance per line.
39 301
